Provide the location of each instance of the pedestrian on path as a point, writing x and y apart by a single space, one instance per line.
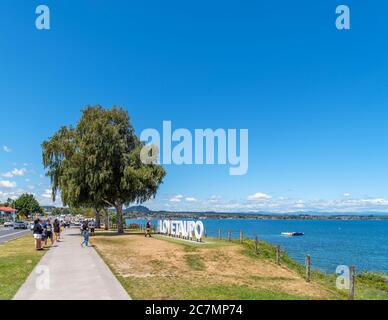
92 227
38 232
85 234
57 230
48 231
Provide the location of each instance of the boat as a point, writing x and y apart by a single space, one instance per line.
292 234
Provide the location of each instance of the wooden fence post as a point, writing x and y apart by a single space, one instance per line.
205 232
308 268
241 236
256 245
278 255
352 280
229 235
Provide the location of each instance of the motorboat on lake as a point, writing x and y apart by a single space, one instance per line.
292 234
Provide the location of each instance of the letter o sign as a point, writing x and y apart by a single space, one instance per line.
198 233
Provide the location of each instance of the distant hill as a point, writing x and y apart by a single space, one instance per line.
137 209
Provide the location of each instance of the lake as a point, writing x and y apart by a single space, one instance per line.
330 243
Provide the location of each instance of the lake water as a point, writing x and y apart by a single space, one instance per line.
330 243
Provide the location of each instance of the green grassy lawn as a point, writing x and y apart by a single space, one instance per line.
17 260
195 281
140 289
165 268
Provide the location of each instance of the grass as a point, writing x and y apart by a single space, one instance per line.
195 262
368 285
164 268
371 286
17 260
187 290
236 292
219 269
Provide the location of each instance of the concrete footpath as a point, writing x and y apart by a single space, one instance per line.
69 272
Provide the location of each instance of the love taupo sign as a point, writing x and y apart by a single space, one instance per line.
191 230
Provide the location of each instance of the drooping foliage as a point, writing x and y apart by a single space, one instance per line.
97 163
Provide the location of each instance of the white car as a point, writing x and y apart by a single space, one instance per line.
8 224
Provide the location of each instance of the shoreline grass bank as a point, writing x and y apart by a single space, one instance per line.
165 268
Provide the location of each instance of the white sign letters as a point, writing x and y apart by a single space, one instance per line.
183 229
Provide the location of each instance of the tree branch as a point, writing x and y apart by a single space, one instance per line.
107 202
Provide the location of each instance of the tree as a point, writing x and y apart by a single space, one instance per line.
97 164
26 204
8 203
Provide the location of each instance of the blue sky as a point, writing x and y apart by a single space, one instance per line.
313 98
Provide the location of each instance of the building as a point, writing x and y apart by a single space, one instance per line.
7 213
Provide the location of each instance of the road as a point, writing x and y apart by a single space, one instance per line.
7 234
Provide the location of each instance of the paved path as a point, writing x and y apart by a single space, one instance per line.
74 273
11 234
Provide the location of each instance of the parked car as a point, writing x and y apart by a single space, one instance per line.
8 224
20 225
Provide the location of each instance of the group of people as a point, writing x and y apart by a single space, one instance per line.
44 231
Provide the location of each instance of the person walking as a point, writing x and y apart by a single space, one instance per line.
148 229
85 234
92 227
38 232
57 230
48 228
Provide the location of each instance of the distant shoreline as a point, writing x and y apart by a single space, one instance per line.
254 216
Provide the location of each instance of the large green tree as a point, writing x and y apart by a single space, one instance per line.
27 204
97 164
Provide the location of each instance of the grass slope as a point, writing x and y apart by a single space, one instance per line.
17 260
162 268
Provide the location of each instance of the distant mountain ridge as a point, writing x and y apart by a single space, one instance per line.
142 209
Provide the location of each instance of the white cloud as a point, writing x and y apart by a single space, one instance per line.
47 194
15 173
347 194
214 199
259 197
261 202
299 205
7 184
177 198
379 201
7 149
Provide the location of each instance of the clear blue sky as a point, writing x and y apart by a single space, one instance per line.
315 99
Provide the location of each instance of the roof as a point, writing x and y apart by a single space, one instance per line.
7 209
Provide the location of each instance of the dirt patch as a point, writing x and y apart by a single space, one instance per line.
156 260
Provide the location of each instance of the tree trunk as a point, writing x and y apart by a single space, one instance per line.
106 219
98 218
120 222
